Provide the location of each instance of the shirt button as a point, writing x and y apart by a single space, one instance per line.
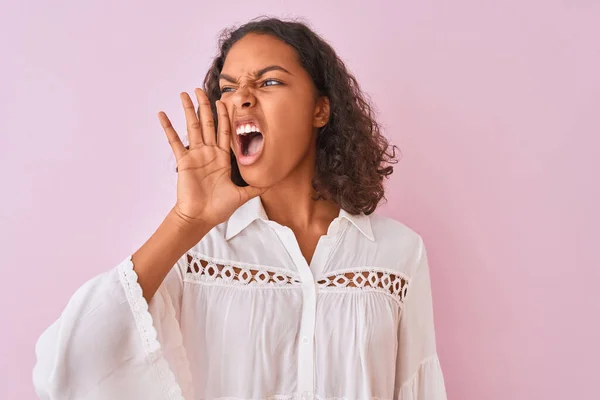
305 340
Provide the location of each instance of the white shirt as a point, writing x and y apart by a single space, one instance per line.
243 316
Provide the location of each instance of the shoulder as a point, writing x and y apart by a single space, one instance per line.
391 231
397 239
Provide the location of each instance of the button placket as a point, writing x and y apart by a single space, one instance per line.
306 349
306 366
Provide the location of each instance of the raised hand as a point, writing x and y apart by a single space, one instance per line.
205 192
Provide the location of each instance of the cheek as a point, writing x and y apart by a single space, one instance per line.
290 118
292 133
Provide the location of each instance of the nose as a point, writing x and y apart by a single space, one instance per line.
243 98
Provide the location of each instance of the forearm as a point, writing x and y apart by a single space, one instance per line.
153 261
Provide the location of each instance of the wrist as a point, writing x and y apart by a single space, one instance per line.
189 227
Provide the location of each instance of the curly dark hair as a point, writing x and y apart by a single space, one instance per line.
353 156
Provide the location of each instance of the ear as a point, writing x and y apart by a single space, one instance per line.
321 116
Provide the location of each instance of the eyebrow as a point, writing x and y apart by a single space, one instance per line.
257 74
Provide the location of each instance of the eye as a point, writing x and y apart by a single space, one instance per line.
271 82
226 90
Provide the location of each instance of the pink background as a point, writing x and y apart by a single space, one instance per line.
495 105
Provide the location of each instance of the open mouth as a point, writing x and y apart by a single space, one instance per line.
250 142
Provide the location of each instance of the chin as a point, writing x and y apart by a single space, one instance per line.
258 177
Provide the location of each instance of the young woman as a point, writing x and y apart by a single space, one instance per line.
270 278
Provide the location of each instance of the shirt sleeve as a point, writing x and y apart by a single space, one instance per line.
109 343
418 371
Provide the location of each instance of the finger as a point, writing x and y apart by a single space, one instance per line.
193 126
174 140
206 118
224 138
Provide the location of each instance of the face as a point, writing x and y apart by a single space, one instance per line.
274 108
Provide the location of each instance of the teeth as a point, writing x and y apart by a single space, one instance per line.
245 129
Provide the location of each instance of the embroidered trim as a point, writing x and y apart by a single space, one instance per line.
143 321
201 270
367 279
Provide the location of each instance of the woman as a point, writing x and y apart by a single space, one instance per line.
270 278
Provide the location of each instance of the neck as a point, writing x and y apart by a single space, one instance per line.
291 202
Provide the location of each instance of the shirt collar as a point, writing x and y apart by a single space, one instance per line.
253 209
361 221
244 216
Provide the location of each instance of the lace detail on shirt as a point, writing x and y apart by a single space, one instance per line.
203 270
387 282
143 321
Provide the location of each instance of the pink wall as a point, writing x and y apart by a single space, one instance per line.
495 106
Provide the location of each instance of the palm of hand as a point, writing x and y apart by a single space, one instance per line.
205 191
